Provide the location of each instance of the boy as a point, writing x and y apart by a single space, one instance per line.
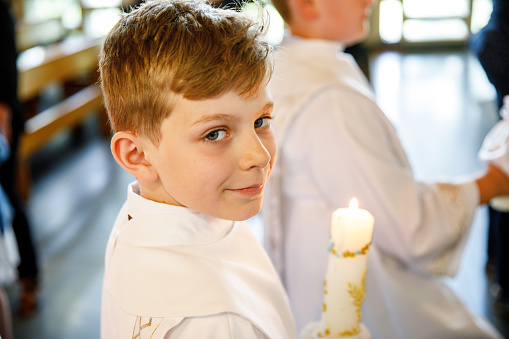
185 89
334 144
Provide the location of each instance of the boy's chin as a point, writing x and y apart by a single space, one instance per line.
240 217
239 214
357 39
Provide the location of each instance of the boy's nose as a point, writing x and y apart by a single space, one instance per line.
254 154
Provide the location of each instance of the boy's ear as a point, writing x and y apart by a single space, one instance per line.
128 151
307 8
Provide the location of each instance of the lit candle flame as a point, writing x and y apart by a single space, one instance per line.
354 204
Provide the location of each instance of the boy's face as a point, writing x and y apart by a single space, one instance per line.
215 155
346 21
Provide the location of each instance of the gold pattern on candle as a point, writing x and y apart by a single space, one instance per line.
357 294
351 333
347 254
350 240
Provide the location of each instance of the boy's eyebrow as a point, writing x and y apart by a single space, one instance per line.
229 117
268 105
213 117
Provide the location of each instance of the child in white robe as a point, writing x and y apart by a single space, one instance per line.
334 144
185 89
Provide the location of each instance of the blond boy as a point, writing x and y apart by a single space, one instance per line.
185 89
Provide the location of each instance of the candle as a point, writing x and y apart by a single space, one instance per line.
351 232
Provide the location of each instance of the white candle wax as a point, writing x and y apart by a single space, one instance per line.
351 232
351 228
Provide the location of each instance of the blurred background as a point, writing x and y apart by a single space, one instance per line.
417 58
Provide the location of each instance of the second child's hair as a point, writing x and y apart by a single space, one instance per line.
166 49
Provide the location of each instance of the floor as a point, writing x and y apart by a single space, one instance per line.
441 104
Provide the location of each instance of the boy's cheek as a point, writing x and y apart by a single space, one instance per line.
272 149
273 158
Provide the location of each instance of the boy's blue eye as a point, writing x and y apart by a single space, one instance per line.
262 122
216 135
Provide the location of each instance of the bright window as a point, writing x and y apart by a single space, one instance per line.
436 8
417 21
391 21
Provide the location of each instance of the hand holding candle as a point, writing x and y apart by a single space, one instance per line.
351 232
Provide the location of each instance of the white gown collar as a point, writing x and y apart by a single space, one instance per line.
138 206
320 48
195 228
171 261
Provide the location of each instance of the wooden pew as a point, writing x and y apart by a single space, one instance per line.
58 63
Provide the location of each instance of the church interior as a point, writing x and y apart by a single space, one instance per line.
417 58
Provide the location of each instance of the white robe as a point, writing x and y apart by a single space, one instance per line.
334 143
174 273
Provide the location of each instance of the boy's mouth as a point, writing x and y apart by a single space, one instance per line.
249 191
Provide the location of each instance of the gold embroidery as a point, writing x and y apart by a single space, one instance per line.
157 328
140 327
146 325
452 193
138 319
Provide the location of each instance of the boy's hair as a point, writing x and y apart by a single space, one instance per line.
166 49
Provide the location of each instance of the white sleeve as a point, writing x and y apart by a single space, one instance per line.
349 149
224 325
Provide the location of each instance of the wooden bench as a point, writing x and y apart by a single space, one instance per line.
58 63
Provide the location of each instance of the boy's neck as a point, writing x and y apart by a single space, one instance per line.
155 191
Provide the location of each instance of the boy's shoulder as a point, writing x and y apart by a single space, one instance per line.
229 272
223 325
